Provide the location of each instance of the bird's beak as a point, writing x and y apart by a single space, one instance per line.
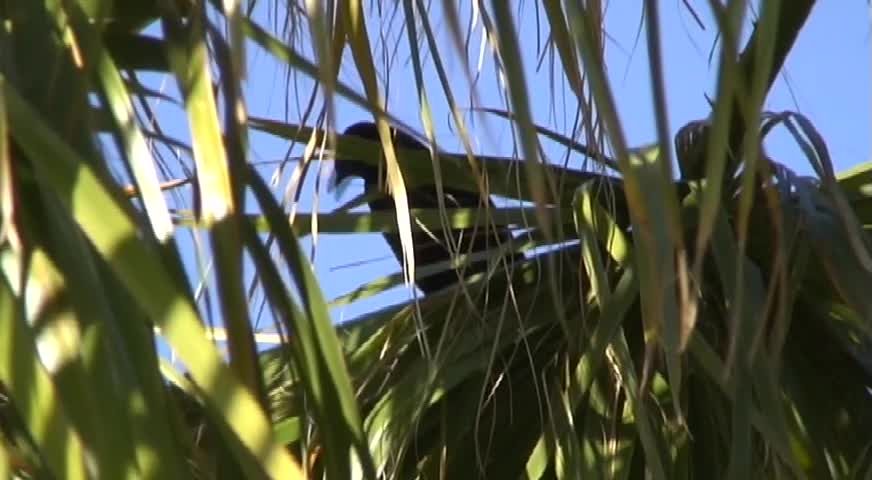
335 186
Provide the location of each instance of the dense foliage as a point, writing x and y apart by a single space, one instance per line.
641 323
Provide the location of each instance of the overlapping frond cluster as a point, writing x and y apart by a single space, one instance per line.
508 380
714 323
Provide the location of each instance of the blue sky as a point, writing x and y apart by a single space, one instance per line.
826 78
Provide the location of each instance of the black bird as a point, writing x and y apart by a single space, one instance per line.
428 250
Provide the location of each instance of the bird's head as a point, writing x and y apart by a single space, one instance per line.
348 167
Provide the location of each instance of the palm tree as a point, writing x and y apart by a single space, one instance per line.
713 322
